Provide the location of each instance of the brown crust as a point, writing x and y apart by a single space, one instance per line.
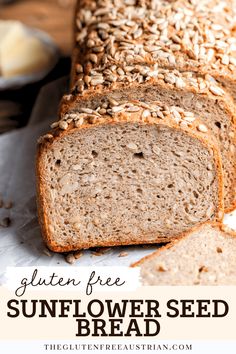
222 227
45 143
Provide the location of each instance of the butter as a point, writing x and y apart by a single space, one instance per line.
20 52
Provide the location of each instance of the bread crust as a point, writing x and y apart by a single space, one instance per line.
220 225
46 142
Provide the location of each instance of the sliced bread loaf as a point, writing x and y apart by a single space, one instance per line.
188 35
123 49
126 173
204 256
203 97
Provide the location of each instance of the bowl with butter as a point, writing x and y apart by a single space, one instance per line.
26 55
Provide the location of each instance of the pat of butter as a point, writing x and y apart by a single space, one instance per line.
20 52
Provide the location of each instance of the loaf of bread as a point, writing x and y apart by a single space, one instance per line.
179 52
126 173
187 35
21 53
204 256
133 157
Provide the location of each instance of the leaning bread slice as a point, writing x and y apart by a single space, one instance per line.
203 97
204 256
126 173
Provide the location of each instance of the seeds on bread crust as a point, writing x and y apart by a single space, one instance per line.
202 128
115 109
126 33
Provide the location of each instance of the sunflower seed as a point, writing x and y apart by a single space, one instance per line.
123 254
138 33
79 68
216 90
112 102
47 252
116 109
133 109
95 82
146 113
202 128
225 59
87 79
67 97
63 125
232 60
102 111
79 122
170 78
86 110
179 83
93 58
70 258
98 49
132 146
90 43
54 125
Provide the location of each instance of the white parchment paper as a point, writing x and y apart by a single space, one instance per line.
21 243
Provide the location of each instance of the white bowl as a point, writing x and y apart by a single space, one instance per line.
22 80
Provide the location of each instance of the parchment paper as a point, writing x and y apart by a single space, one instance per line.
21 243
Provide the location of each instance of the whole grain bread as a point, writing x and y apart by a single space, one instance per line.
204 256
126 173
180 52
173 88
188 35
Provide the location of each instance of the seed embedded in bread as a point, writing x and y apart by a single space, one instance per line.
172 43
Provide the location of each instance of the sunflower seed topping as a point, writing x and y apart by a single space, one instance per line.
165 32
202 128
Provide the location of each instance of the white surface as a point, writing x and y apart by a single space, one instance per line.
21 244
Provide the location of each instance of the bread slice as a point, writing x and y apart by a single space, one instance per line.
126 173
172 51
189 91
196 36
204 256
